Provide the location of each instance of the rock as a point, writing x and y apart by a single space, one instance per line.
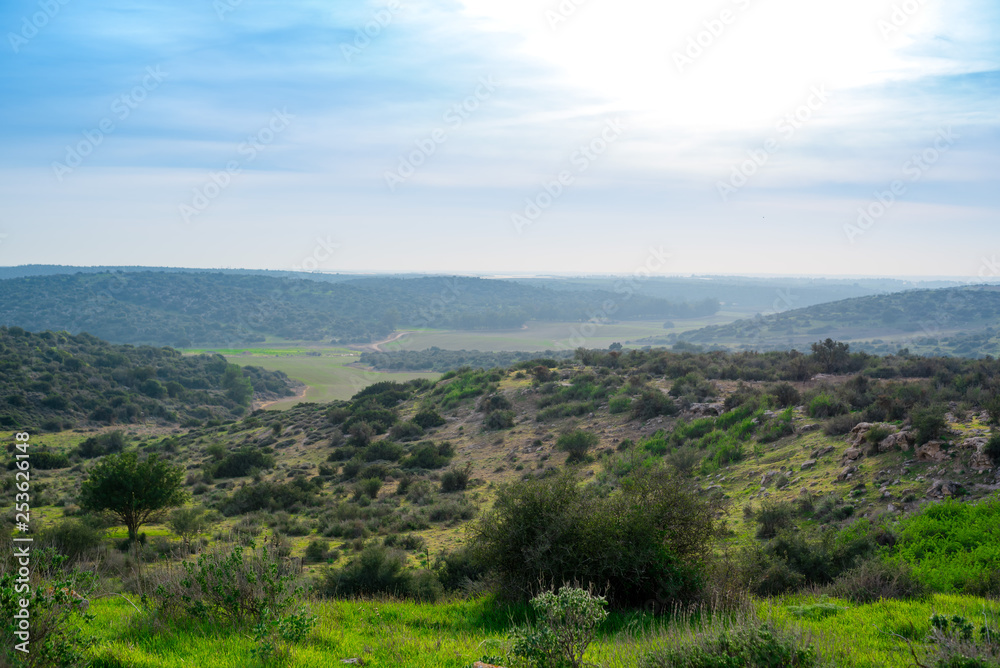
932 452
480 664
892 508
846 473
943 488
977 443
808 464
901 440
707 410
857 434
816 454
805 428
766 478
852 454
356 662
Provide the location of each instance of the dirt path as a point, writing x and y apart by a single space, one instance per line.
300 393
377 347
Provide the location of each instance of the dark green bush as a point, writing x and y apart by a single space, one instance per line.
577 444
652 403
649 537
763 646
456 480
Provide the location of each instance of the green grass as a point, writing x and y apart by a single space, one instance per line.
326 371
541 336
456 634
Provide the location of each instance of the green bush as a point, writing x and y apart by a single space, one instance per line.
824 406
498 420
652 403
992 449
929 423
379 570
426 455
951 546
619 405
428 418
567 623
577 443
456 480
649 536
763 646
875 579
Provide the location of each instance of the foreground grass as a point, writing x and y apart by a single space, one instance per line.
459 633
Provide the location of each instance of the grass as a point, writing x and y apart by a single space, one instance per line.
327 371
455 634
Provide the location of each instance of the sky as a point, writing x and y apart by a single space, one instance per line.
858 137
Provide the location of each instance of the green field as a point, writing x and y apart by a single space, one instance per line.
541 336
325 370
391 633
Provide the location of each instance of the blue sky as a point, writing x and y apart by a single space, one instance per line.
524 136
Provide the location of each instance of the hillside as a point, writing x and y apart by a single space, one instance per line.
963 321
812 482
57 381
186 310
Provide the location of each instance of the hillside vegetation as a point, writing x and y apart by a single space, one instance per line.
186 310
56 381
962 321
859 485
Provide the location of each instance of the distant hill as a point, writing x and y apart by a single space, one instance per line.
57 381
962 321
184 309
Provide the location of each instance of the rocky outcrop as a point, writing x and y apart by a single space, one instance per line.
945 488
808 464
901 440
980 460
932 452
707 410
847 473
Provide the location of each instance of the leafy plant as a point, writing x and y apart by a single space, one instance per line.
566 625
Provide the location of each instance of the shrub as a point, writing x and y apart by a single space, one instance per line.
383 451
242 463
426 455
456 480
406 431
842 424
785 395
103 444
929 423
619 405
577 444
317 550
772 517
56 603
377 570
498 420
428 418
73 537
824 406
992 449
874 580
567 623
652 403
650 535
743 646
238 586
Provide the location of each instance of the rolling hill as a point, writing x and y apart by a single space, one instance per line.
196 309
962 321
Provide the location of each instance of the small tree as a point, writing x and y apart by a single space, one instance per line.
134 491
577 443
188 523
